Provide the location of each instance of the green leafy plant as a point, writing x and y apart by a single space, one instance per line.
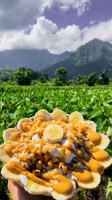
95 103
109 190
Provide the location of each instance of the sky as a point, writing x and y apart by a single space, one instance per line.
55 25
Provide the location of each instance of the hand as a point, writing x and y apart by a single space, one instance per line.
18 193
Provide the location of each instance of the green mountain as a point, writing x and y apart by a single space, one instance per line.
94 56
31 58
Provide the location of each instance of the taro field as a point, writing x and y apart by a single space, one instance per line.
95 103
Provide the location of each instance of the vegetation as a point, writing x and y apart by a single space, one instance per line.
61 78
103 78
6 75
43 78
18 101
92 79
24 76
95 103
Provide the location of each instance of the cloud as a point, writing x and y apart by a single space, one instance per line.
102 31
43 35
22 25
16 14
93 22
67 39
80 5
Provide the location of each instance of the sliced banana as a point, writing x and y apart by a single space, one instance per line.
19 125
64 197
35 188
106 163
104 142
43 113
7 134
32 187
53 133
57 114
3 156
76 117
9 175
90 124
93 184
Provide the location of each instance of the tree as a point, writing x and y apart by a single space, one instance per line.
103 79
35 74
80 80
6 75
43 79
61 74
23 76
61 71
92 79
77 79
84 79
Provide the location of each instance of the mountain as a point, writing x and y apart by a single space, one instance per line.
31 58
94 56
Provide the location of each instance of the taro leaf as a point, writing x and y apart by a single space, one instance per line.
96 114
109 132
110 119
2 128
107 108
109 151
16 113
109 190
1 164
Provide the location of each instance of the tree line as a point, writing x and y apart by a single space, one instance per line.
25 76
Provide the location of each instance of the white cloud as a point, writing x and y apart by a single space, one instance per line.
18 14
67 39
102 31
92 22
44 35
80 5
16 17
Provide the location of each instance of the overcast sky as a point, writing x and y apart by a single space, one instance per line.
55 25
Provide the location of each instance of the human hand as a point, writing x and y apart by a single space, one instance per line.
18 193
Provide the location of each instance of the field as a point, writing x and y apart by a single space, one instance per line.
95 103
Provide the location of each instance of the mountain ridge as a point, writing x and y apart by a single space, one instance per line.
29 58
93 56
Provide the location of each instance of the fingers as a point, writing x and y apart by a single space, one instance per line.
13 190
17 192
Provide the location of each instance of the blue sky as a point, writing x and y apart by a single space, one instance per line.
55 25
98 10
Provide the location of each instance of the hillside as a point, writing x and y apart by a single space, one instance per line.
31 58
94 56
